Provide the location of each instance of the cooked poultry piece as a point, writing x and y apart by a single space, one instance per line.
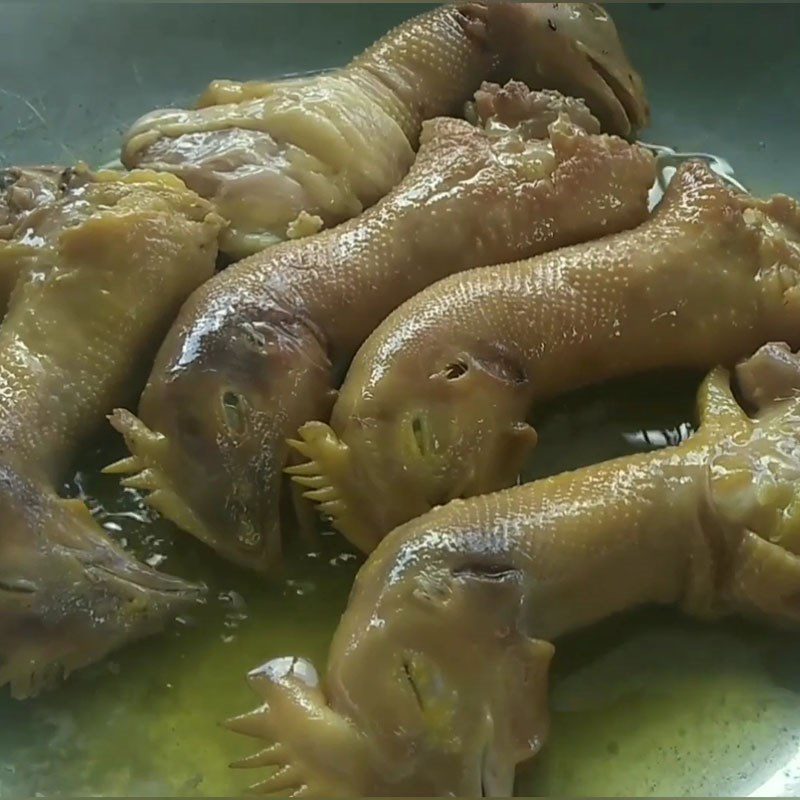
103 268
284 159
436 402
21 192
575 49
437 675
256 352
24 190
514 106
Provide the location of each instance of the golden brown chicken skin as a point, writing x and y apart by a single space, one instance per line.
436 682
257 351
283 159
22 191
102 267
437 402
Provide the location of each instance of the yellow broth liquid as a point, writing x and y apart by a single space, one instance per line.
646 704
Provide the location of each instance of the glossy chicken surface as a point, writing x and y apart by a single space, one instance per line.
22 191
259 349
436 404
437 677
103 262
283 159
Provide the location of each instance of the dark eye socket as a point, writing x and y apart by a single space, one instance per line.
418 429
233 412
65 179
495 363
455 370
408 674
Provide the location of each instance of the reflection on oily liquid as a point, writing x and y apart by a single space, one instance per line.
653 439
668 160
652 705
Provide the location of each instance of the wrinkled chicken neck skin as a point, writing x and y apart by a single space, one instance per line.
102 269
284 159
413 82
339 141
448 600
269 333
706 279
427 66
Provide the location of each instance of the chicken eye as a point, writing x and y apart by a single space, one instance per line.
455 370
233 412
